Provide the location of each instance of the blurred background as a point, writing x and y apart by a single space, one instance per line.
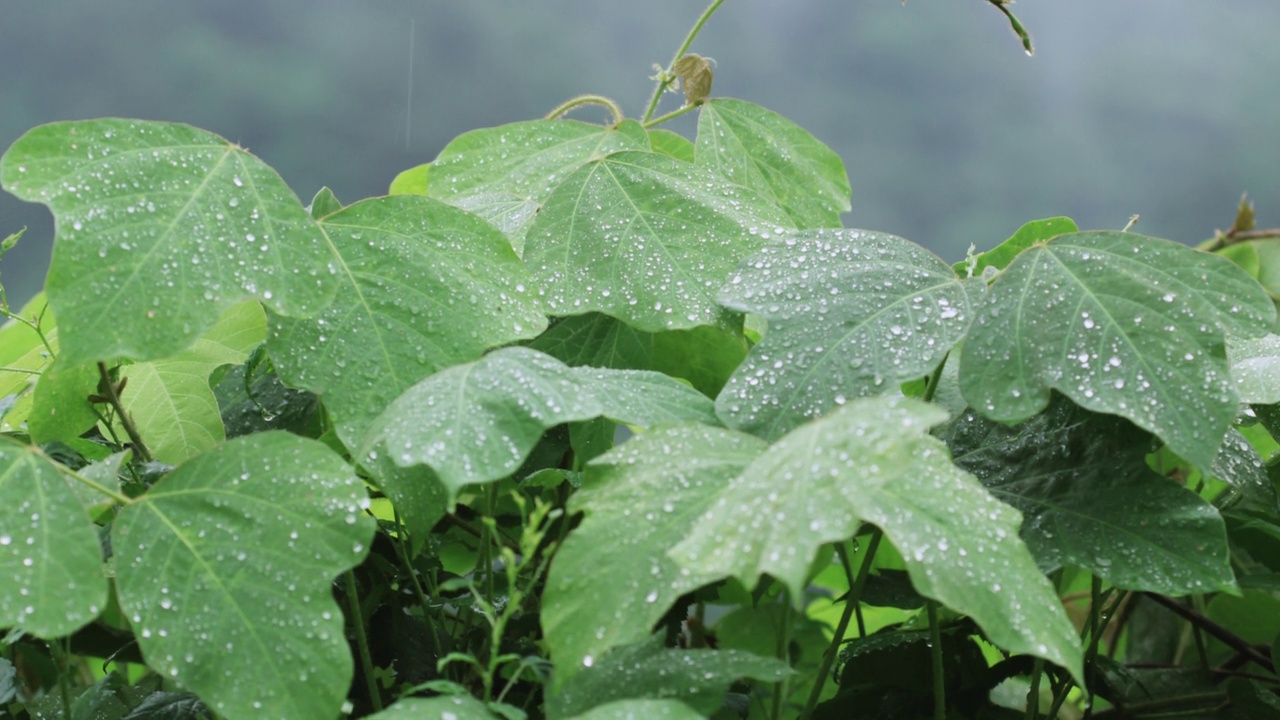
950 134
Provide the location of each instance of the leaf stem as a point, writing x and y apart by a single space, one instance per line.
111 391
783 652
1033 693
673 114
665 77
614 109
931 386
362 642
24 371
97 487
1226 637
403 555
935 645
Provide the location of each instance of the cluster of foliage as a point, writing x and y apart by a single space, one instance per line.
588 421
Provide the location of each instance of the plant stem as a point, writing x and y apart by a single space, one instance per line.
673 114
783 652
113 397
1226 637
939 679
362 642
403 555
98 487
665 77
614 109
1033 694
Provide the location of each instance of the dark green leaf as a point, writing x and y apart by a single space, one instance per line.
170 706
1239 465
8 681
705 356
1120 324
141 273
850 313
595 340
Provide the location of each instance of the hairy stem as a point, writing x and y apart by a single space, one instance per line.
665 76
614 109
673 114
112 396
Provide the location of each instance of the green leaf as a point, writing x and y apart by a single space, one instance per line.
161 228
1000 256
706 356
1121 324
22 349
477 422
1090 501
698 678
850 313
1241 466
612 580
767 153
503 174
51 580
671 144
436 708
1255 366
411 182
646 239
8 681
595 340
60 408
225 569
169 706
644 709
872 461
324 203
425 285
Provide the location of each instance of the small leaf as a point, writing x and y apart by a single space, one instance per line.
225 568
671 144
51 580
411 182
1121 324
61 409
763 151
426 286
696 75
324 203
142 273
1000 256
646 239
1255 367
436 708
850 313
872 461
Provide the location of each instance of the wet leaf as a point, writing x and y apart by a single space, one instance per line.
1255 366
1090 501
51 580
1121 324
698 678
477 422
646 709
850 313
436 708
425 286
142 273
767 153
671 144
225 568
503 174
169 706
646 239
1001 255
872 461
705 356
612 580
595 340
1241 466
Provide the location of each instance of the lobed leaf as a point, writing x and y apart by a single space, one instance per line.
51 580
225 570
645 238
425 286
850 313
160 228
1120 324
872 461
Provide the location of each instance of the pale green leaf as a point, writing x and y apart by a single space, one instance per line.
1255 367
51 579
644 709
411 182
22 350
765 152
424 286
60 408
671 144
873 461
646 239
324 203
160 228
1121 324
1090 501
612 580
1001 255
850 313
435 708
225 569
477 422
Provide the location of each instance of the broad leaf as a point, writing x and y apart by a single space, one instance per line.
51 580
645 238
411 182
1120 324
1001 255
424 286
60 407
1241 466
671 144
435 708
1089 500
225 569
612 580
595 340
645 709
761 150
698 678
705 356
850 313
475 423
873 461
1255 366
503 174
161 228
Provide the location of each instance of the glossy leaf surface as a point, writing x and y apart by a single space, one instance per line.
1089 500
435 708
160 228
225 569
850 313
424 286
612 579
759 149
1120 324
1255 366
644 709
873 461
51 580
646 239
